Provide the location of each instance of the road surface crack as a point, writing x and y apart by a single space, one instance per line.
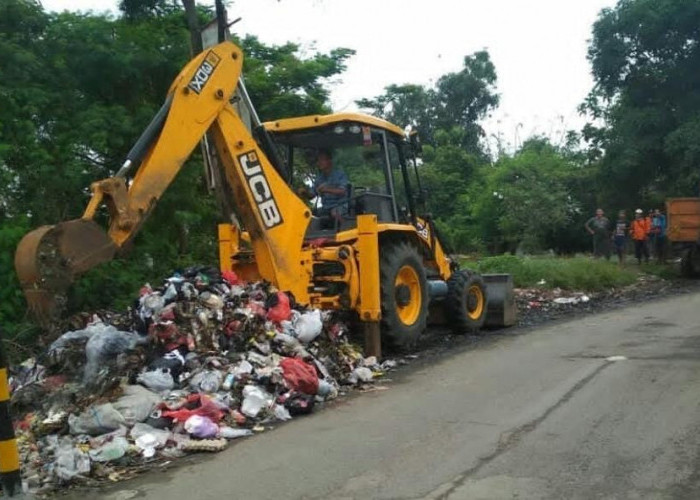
511 438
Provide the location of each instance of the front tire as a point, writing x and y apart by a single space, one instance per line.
466 302
404 294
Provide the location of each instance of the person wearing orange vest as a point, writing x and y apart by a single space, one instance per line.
639 229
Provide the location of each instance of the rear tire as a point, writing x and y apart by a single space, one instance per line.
466 302
690 263
404 294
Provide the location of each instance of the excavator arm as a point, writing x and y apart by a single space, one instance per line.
49 258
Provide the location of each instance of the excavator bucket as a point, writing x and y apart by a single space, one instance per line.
49 258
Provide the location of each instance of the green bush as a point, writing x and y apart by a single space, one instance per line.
576 273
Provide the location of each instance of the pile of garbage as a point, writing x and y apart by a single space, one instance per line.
201 360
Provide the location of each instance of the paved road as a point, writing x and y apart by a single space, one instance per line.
543 415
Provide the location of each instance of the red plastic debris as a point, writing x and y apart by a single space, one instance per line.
281 311
299 375
206 408
230 277
169 335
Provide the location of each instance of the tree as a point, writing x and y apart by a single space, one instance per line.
525 200
645 56
459 99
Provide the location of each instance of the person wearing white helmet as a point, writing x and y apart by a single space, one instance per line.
639 229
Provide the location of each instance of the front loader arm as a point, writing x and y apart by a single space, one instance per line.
48 258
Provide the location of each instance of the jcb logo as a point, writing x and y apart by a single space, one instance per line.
205 70
257 182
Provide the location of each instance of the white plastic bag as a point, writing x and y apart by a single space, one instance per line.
254 400
308 326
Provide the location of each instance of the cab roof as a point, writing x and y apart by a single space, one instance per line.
318 121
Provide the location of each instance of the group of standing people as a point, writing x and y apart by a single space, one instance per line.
647 232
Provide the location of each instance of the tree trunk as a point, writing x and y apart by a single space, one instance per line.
193 25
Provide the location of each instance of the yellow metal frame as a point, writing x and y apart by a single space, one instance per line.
315 121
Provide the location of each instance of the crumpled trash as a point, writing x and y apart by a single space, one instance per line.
156 380
231 433
308 326
104 343
206 381
281 413
216 347
326 389
147 443
201 427
278 307
148 438
298 403
112 450
207 407
70 460
96 420
136 404
299 375
172 362
361 374
255 399
571 300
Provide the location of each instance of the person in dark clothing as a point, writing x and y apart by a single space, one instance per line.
620 236
599 227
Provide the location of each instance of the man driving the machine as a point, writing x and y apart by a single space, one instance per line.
331 185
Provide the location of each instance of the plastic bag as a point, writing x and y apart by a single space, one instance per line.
70 461
308 326
147 444
201 427
149 436
299 404
230 277
156 380
207 381
231 433
207 408
136 404
96 420
279 308
281 413
326 389
362 374
112 450
254 400
299 375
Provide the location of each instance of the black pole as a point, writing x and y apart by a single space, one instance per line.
9 454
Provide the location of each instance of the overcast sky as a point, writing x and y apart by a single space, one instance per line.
538 47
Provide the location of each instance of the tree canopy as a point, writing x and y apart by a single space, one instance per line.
645 60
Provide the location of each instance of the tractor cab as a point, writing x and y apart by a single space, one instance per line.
347 165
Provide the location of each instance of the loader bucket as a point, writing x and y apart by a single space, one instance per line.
48 259
501 310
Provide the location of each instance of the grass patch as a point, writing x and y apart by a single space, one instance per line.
574 273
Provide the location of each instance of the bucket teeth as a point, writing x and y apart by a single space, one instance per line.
49 258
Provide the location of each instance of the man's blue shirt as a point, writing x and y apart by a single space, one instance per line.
336 178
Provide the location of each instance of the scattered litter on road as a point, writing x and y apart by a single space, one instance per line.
197 362
615 358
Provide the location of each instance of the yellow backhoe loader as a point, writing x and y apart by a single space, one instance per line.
371 253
